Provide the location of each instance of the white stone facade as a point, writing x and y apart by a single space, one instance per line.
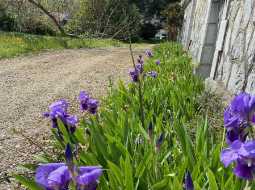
220 36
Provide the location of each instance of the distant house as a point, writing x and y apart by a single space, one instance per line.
157 22
161 34
220 36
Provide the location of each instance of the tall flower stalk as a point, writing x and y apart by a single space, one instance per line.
139 81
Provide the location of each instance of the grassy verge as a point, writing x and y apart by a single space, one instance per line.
175 138
14 44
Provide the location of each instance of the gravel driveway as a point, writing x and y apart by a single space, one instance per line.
29 84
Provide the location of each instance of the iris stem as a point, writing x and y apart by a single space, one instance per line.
223 138
139 84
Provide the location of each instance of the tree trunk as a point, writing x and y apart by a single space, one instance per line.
60 28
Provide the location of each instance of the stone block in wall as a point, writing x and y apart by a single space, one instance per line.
203 70
211 33
236 77
251 83
207 55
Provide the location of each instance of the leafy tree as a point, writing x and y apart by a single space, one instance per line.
7 22
174 17
105 18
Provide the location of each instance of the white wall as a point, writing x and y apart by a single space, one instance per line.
235 50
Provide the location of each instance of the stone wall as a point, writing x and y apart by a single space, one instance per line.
198 28
234 50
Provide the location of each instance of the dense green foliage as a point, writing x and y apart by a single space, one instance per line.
173 17
96 18
13 44
149 8
105 18
116 139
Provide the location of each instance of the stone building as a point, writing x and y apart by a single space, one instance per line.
219 34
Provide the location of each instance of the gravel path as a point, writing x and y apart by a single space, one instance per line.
29 84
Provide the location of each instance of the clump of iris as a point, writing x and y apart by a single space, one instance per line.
149 53
60 176
58 111
239 118
138 69
87 103
153 74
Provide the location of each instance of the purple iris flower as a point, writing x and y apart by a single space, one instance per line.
88 180
243 154
53 176
238 116
188 183
58 110
149 53
234 134
153 74
158 62
56 176
93 106
134 75
241 110
139 67
83 98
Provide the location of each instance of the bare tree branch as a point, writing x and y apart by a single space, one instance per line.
41 7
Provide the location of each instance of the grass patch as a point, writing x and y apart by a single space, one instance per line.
14 44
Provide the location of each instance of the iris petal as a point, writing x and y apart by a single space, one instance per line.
89 177
43 171
243 171
59 177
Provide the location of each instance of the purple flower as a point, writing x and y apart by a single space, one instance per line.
158 62
139 67
149 53
58 110
234 134
134 75
188 183
153 74
244 170
71 120
88 180
230 119
56 176
240 111
238 116
93 106
53 176
83 98
243 154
